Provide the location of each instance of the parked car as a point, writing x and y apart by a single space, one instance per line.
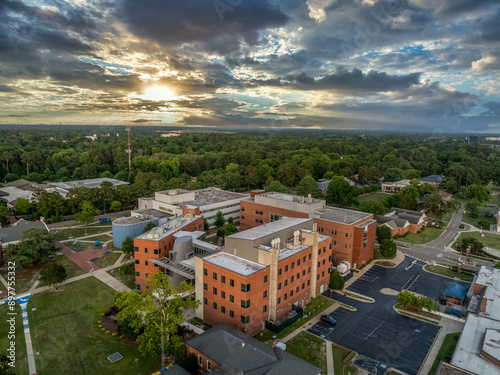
328 320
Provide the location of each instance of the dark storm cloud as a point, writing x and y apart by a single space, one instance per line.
347 81
446 8
216 25
493 108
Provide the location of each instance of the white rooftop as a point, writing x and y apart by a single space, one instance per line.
490 278
168 228
270 228
233 263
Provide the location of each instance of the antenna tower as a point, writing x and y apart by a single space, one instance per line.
129 151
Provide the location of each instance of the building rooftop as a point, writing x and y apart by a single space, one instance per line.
290 198
173 192
269 228
490 278
172 226
456 290
211 195
15 232
433 178
159 214
233 263
238 353
89 183
133 220
342 215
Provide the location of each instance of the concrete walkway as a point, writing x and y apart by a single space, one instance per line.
110 281
448 326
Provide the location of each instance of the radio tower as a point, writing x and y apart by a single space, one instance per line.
129 151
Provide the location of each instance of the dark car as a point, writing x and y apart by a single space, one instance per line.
328 320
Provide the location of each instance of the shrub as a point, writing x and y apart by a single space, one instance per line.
107 332
114 334
122 337
99 322
336 281
99 326
103 329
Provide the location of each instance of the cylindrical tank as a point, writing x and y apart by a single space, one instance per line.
127 226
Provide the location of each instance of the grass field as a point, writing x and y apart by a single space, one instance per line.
446 351
466 218
489 240
128 280
310 348
339 367
79 231
69 340
313 308
447 272
426 235
21 359
107 260
378 197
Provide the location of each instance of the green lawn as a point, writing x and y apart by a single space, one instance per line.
489 240
426 235
69 340
64 234
446 351
466 218
313 308
378 197
107 260
339 367
310 348
447 272
21 359
128 280
72 269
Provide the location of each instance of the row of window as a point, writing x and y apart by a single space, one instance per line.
243 319
155 251
244 287
259 212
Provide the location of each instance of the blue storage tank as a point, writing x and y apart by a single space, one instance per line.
130 226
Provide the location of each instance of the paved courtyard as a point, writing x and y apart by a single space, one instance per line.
382 337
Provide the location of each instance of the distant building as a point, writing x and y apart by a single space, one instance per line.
224 350
402 221
205 202
478 349
471 139
434 180
394 187
446 196
89 183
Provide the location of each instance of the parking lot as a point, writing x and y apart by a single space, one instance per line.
380 336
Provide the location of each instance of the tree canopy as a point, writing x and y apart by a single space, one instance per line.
53 274
36 246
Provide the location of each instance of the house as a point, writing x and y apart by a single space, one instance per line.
224 350
455 293
445 195
394 187
402 221
353 232
265 275
435 180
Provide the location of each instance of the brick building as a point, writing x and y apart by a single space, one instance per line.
153 246
353 232
262 273
402 221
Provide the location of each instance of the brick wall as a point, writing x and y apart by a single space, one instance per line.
249 215
202 360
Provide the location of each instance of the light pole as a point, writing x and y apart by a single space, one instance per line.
137 366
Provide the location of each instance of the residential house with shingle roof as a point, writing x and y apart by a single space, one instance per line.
402 221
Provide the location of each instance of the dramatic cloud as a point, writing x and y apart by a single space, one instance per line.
374 64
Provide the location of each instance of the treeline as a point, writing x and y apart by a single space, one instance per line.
242 161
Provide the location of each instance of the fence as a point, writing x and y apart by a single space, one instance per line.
287 323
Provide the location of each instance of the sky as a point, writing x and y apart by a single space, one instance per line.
398 65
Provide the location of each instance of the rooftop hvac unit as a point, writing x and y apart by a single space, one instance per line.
156 235
150 236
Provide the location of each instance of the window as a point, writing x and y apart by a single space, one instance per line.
303 286
223 309
265 279
223 294
330 246
291 279
317 278
138 287
304 259
231 282
274 217
205 286
319 251
214 304
156 265
146 250
205 301
245 304
136 249
242 216
297 289
279 286
323 262
319 264
200 360
335 242
308 282
346 235
264 310
245 288
298 275
298 262
309 270
231 298
293 265
345 245
285 297
231 313
286 282
138 274
245 319
324 249
205 272
279 272
265 293
309 256
209 366
214 276
156 251
242 208
147 275
214 291
291 293
330 258
137 261
279 300
323 274
146 263
223 279
303 272
259 212
286 268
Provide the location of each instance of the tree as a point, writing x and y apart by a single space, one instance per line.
5 367
221 232
36 246
106 193
336 281
408 202
219 219
388 248
206 226
5 215
309 186
277 187
114 206
148 227
435 205
53 274
405 297
86 214
383 232
22 205
340 192
473 207
159 310
128 245
373 207
477 192
230 229
470 241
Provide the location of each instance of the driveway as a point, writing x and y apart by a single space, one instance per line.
380 336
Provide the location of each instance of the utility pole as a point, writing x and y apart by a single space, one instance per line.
129 151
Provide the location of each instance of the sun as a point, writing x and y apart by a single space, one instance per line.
158 93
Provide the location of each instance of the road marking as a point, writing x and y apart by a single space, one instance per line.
372 332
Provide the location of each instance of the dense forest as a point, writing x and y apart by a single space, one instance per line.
235 160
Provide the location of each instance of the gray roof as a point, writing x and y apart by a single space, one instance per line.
269 228
238 353
174 370
341 215
392 222
433 178
15 232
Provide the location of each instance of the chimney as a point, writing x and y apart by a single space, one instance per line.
345 217
315 227
459 269
309 198
467 252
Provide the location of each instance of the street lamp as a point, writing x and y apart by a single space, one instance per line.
137 366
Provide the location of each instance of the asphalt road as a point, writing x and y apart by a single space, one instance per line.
382 337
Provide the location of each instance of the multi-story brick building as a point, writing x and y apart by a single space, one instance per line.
262 273
353 232
156 244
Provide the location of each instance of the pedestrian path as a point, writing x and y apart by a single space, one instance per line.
110 281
